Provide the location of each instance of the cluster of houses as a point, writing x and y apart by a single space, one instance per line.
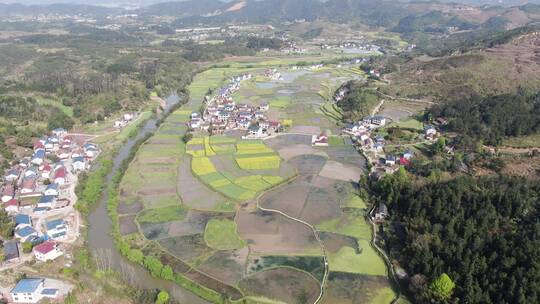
42 186
222 114
361 134
124 121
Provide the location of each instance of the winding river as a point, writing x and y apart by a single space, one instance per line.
102 244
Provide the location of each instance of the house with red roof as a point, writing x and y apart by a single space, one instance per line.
320 140
47 251
12 206
46 170
60 176
8 192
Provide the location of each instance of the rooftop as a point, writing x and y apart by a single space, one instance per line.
45 247
27 285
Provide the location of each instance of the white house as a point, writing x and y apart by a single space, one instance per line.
46 201
12 175
22 220
381 212
11 206
63 154
26 233
56 229
8 192
52 189
47 251
320 140
46 170
28 291
28 185
390 160
255 131
60 176
79 164
264 107
59 132
430 131
378 120
38 157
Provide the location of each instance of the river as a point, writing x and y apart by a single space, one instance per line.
100 241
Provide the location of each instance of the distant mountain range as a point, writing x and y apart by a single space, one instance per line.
408 16
145 3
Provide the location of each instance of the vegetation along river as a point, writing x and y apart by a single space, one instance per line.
100 225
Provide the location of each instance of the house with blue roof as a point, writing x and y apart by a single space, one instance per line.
28 291
26 234
38 157
46 201
22 220
56 229
52 189
79 163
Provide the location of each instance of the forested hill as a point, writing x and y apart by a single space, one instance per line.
484 234
490 119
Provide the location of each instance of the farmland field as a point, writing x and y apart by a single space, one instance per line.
213 208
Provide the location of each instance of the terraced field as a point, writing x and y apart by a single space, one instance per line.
200 207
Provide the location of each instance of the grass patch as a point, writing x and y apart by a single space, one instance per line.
236 192
196 141
221 234
255 147
336 141
259 163
529 141
221 139
366 262
408 123
253 182
354 201
280 102
55 103
161 215
202 166
384 296
349 224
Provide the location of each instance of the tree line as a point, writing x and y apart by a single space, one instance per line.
467 240
490 119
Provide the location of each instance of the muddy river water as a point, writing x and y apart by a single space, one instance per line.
102 244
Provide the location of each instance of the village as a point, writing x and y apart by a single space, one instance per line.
39 194
373 148
221 113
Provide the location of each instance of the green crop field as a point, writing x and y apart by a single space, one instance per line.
349 224
221 234
280 102
366 262
408 123
202 166
259 163
161 215
252 147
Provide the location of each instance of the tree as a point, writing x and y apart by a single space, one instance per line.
6 224
443 286
27 247
162 297
135 255
167 273
154 265
187 137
